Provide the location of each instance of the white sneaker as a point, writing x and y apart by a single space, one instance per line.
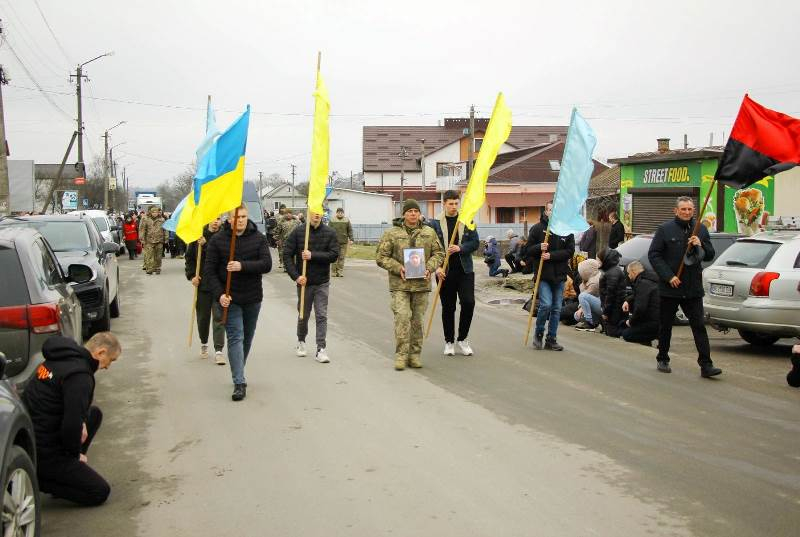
219 359
449 349
300 350
464 347
204 351
322 356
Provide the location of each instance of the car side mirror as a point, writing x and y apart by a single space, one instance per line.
2 365
79 273
110 247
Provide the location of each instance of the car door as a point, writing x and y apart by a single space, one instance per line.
108 263
52 288
69 304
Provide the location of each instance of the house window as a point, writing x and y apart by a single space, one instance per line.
555 165
504 215
478 144
277 205
444 169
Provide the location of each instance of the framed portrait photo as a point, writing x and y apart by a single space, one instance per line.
414 262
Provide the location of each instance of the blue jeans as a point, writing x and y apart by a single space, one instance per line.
590 304
240 329
551 297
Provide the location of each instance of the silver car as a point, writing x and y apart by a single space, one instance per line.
754 287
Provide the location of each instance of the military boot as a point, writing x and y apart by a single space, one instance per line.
399 363
538 341
415 362
551 344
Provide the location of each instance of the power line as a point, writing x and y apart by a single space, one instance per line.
35 83
52 33
32 44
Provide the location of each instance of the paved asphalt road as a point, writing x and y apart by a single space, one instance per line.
511 442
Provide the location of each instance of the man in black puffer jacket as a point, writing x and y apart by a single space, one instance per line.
251 261
643 306
59 400
556 253
323 249
666 254
612 291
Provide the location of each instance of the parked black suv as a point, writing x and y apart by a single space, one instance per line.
75 239
36 300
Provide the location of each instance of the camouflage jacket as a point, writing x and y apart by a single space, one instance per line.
343 229
390 254
150 230
283 229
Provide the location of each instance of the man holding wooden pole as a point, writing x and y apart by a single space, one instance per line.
249 260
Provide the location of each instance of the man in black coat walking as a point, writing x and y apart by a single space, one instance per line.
617 235
556 254
323 249
251 261
667 251
59 400
644 306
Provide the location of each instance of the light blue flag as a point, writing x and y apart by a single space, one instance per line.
573 179
172 222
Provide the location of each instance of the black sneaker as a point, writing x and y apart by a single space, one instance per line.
538 342
239 392
663 366
708 370
552 345
585 327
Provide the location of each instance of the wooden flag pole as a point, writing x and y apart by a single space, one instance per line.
697 225
536 284
230 260
459 226
194 302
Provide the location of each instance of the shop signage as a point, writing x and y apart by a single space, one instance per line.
666 175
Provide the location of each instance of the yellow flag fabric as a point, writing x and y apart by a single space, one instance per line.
496 134
320 148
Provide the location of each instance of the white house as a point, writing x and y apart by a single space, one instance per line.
284 194
359 206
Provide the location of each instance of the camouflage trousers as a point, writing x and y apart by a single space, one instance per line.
409 311
152 256
338 266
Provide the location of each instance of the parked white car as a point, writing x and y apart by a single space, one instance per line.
754 287
107 226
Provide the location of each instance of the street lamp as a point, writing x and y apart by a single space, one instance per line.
105 190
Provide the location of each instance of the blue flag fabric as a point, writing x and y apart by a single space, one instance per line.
573 179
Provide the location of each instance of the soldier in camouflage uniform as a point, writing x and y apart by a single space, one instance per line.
285 226
152 235
409 297
344 233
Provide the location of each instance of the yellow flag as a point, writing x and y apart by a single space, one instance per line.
496 134
320 148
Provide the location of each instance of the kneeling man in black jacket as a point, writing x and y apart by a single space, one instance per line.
59 400
643 306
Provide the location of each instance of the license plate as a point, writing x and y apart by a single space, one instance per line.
720 289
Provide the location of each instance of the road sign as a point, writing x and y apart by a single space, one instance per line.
79 181
69 200
112 183
85 202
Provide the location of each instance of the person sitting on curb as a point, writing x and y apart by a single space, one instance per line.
612 291
491 256
59 400
589 298
793 377
644 306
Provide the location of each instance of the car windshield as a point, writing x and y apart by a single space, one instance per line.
62 236
636 248
751 254
101 223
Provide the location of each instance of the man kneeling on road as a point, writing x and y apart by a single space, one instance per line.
59 400
644 306
323 249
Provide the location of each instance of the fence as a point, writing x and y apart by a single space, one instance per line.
371 233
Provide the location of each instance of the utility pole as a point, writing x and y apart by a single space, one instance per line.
403 154
293 170
260 185
5 198
471 152
422 162
351 179
106 166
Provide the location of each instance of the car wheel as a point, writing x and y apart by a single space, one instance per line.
104 323
21 507
113 308
759 340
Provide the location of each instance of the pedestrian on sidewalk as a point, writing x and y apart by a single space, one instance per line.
59 400
131 236
344 234
590 311
556 253
617 235
459 280
667 250
251 260
206 307
409 296
613 290
588 242
322 251
152 235
643 305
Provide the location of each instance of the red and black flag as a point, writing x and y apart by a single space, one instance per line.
763 142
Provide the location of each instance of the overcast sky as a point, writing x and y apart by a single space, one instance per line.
636 71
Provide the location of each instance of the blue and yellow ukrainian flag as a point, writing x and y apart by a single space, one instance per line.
218 183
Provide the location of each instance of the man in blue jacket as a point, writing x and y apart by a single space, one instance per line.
459 280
